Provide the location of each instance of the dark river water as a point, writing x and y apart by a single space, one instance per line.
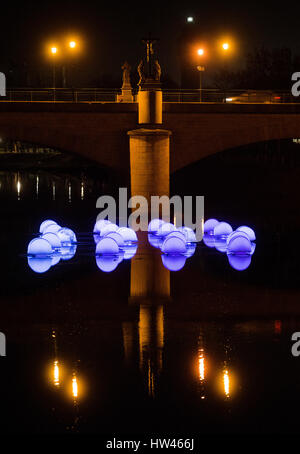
91 352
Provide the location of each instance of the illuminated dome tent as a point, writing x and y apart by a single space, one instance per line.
209 226
250 232
222 229
53 240
189 234
175 233
45 224
220 244
107 246
117 237
52 228
67 236
100 224
39 247
165 229
239 245
236 234
154 225
128 234
108 228
173 245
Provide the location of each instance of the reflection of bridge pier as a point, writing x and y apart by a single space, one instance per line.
149 290
150 280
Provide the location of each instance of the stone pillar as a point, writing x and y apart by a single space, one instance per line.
150 106
150 162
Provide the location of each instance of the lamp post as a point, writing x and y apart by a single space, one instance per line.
53 52
71 45
201 69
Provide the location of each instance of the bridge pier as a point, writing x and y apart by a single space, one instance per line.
149 146
149 162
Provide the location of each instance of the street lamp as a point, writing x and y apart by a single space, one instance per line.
72 45
201 69
225 46
53 51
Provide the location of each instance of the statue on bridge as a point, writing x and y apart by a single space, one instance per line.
141 72
157 70
149 70
126 76
126 95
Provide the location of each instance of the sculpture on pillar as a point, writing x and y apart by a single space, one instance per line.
141 73
126 95
126 75
157 70
149 68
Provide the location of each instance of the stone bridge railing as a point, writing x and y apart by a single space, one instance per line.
102 95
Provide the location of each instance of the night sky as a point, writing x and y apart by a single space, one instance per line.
111 31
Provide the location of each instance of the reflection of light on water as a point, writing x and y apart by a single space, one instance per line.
151 387
19 186
37 186
151 343
144 331
82 190
56 373
53 190
226 382
74 386
201 365
70 192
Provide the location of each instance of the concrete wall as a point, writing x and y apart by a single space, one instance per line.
99 131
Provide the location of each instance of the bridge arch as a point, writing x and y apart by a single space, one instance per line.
199 135
99 136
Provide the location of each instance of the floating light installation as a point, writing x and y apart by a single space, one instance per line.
53 244
176 244
237 244
113 244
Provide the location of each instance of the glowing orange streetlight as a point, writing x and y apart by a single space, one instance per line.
201 69
73 46
225 46
53 51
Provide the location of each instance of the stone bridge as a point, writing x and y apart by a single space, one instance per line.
98 131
